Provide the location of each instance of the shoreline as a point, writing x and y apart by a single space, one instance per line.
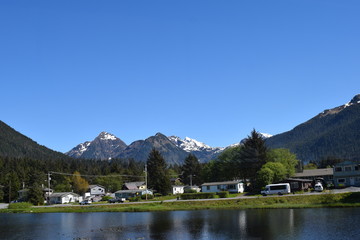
325 200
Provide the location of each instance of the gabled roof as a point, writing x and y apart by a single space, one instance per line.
62 194
133 185
315 172
96 185
221 183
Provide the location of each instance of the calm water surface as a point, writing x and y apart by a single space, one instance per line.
208 224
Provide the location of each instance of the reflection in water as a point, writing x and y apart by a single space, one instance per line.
207 224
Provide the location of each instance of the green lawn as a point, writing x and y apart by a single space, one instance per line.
298 201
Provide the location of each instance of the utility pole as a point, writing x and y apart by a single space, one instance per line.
48 191
146 181
10 191
191 180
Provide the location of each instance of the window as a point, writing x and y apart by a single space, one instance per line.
348 169
341 180
218 187
338 169
231 186
356 168
207 187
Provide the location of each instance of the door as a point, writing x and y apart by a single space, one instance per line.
352 181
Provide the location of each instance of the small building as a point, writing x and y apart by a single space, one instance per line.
230 186
132 193
347 174
177 189
63 197
299 184
326 174
95 191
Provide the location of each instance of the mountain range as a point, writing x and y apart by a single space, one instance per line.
332 133
173 149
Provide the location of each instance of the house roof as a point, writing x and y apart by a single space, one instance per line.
315 172
221 183
133 191
96 185
133 185
61 194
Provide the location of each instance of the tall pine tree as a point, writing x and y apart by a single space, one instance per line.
191 171
158 178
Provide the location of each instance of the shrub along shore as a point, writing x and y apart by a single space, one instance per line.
298 201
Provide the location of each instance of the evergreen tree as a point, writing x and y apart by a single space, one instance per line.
191 171
157 173
253 157
35 194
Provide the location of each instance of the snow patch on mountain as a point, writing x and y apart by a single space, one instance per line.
191 145
84 146
107 136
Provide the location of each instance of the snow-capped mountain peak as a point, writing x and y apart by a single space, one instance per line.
190 145
107 136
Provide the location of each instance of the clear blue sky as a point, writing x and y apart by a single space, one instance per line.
209 70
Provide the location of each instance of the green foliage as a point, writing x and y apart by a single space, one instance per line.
265 176
20 205
157 173
111 184
223 194
286 158
80 184
310 166
278 169
135 199
106 198
149 196
186 196
191 171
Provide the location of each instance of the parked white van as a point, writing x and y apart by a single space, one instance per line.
318 187
279 188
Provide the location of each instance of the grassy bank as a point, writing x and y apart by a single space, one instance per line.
298 201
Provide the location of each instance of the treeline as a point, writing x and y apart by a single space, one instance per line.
19 173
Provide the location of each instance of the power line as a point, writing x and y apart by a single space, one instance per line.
85 175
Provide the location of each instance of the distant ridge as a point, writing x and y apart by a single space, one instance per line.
332 133
16 145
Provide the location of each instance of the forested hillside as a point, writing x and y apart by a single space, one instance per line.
14 144
332 133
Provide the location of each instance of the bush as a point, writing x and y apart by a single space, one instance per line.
157 195
186 196
223 194
106 198
20 205
135 199
149 196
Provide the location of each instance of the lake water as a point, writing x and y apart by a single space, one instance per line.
323 223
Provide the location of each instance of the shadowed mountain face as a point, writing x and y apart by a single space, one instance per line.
14 144
332 133
140 150
103 147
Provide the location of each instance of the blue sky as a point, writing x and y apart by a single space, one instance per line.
209 70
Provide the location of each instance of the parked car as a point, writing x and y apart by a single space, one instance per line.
85 202
318 187
117 200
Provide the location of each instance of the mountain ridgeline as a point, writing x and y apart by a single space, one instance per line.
173 149
15 145
334 133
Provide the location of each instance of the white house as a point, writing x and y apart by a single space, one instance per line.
95 191
230 186
63 197
177 189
